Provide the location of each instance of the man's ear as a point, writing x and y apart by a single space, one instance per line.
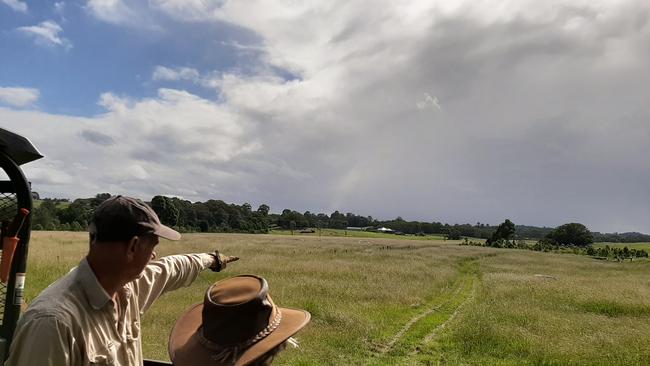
132 247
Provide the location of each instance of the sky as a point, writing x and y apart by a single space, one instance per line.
455 111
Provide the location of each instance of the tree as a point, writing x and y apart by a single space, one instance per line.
453 234
76 226
338 220
263 210
504 232
571 234
44 215
166 210
289 216
99 198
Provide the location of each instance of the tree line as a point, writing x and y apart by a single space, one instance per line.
572 237
219 216
186 216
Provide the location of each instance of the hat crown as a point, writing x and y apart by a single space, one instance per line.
120 218
236 310
230 331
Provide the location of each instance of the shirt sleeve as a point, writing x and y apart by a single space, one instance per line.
167 274
42 341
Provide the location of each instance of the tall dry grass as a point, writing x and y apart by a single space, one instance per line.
363 291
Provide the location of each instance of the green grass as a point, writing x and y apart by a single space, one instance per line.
388 301
642 246
61 205
360 234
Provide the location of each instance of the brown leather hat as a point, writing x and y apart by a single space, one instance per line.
236 324
121 218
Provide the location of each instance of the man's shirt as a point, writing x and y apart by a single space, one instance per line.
75 322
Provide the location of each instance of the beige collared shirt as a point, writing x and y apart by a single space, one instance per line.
75 322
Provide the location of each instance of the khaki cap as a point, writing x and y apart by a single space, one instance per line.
120 218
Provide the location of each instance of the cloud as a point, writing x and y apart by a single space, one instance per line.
51 174
544 122
18 97
188 10
243 47
428 101
111 11
16 5
59 7
97 137
46 34
162 73
210 80
162 140
136 171
135 14
510 73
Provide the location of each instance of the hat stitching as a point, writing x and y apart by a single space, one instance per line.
232 351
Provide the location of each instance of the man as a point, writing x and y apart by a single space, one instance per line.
91 316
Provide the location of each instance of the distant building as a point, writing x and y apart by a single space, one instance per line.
358 228
385 230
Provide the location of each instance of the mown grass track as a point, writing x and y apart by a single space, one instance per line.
406 345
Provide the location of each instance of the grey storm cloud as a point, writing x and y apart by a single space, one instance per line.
97 137
534 113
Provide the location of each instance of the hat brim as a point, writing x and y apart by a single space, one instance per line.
167 232
185 348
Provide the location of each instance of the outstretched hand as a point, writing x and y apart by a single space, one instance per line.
222 260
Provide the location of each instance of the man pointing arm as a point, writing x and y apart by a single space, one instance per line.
92 315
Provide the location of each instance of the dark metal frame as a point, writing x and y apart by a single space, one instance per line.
16 193
18 186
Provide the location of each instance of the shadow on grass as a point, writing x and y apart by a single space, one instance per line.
613 309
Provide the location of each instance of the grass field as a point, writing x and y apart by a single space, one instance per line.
387 301
643 246
356 234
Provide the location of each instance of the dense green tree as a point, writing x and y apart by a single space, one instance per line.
247 208
506 230
357 220
503 233
166 210
453 234
338 220
76 226
99 198
80 210
218 216
310 219
263 210
44 214
289 216
632 237
571 234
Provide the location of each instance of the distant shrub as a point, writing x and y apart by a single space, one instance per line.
550 245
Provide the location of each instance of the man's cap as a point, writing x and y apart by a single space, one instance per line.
120 218
236 324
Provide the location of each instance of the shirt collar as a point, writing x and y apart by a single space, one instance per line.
97 296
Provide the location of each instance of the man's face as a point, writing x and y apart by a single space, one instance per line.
148 244
144 252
